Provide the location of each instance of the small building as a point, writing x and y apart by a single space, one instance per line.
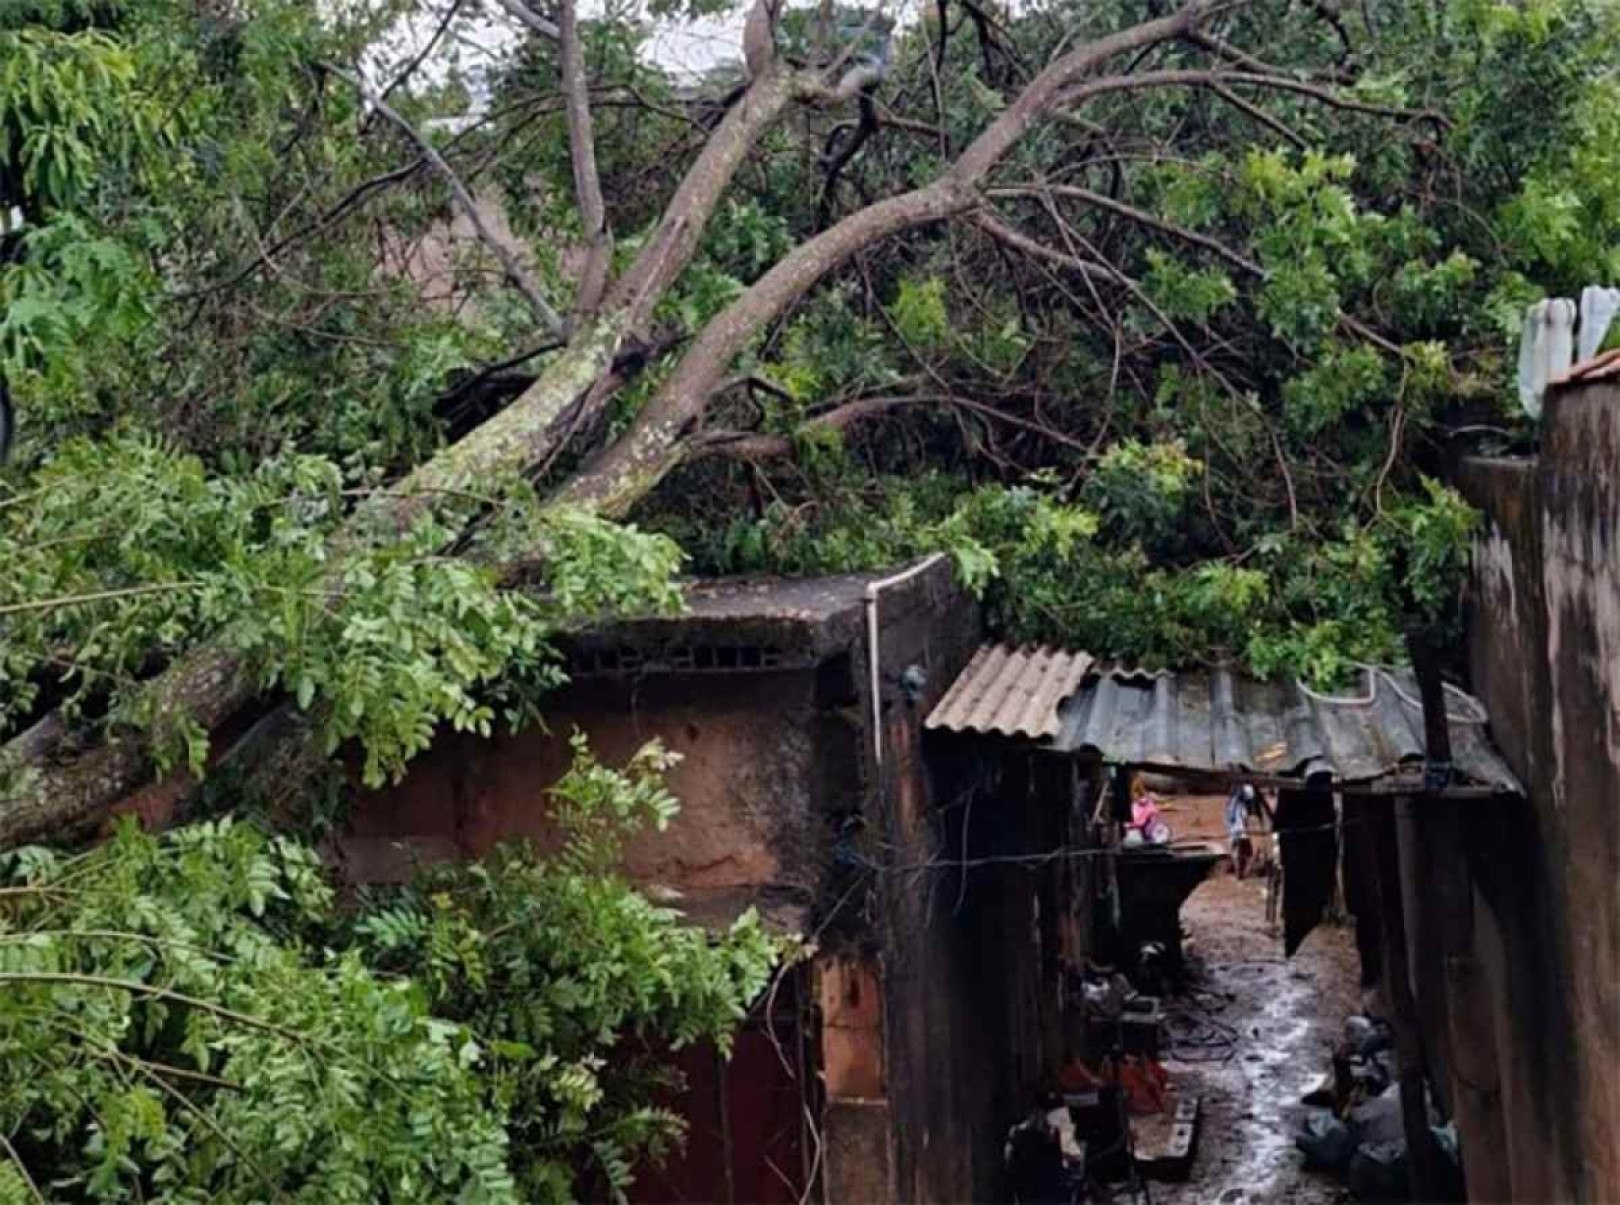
933 814
889 1067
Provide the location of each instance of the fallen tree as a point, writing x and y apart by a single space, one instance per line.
624 392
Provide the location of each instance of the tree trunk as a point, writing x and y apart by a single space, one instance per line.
62 792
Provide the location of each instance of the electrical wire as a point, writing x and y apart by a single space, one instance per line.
1041 858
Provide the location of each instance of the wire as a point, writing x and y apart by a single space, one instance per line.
1067 853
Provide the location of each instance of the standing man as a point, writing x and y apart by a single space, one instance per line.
1243 803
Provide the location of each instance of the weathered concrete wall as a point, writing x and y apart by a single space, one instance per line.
764 763
923 1048
969 955
1544 656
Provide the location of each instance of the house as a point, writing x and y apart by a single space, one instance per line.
890 1066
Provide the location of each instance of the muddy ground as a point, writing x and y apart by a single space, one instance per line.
1257 1032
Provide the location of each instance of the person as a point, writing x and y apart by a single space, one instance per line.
1146 821
1243 804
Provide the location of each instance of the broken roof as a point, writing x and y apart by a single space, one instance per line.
1215 722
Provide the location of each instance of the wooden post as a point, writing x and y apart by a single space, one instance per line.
1421 1156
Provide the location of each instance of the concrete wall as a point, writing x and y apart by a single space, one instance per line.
932 1025
764 764
970 956
1544 656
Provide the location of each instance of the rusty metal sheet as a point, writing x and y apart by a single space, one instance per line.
1213 721
1011 692
1220 722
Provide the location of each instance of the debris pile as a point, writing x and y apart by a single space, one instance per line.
1115 1119
1358 1131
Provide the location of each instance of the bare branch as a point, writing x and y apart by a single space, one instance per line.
1274 124
758 446
582 154
421 55
515 272
1333 99
1018 241
1242 58
841 152
1140 216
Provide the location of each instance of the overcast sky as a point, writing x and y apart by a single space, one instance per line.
475 44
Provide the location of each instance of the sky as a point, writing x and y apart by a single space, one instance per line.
477 43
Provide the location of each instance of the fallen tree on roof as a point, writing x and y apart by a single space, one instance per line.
261 527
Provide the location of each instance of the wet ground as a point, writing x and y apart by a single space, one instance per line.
1254 1035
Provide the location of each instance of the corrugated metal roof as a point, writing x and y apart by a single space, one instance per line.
1011 691
1214 721
1603 367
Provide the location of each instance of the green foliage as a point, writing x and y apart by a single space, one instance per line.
190 1016
74 107
71 287
919 313
143 553
1345 380
1142 489
575 980
1183 291
1055 572
175 1026
122 552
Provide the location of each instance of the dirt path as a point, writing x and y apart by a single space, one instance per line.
1266 1028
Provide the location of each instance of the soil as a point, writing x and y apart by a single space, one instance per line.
1251 1034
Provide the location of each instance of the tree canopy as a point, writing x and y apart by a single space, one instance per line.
360 348
1161 320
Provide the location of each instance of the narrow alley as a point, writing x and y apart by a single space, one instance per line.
1251 1034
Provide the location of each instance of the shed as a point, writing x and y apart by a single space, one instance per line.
1218 724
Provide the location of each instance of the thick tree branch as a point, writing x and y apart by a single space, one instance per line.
543 26
626 471
64 792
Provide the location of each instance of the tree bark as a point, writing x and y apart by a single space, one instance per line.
582 153
625 472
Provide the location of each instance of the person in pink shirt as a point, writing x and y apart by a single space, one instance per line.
1145 818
